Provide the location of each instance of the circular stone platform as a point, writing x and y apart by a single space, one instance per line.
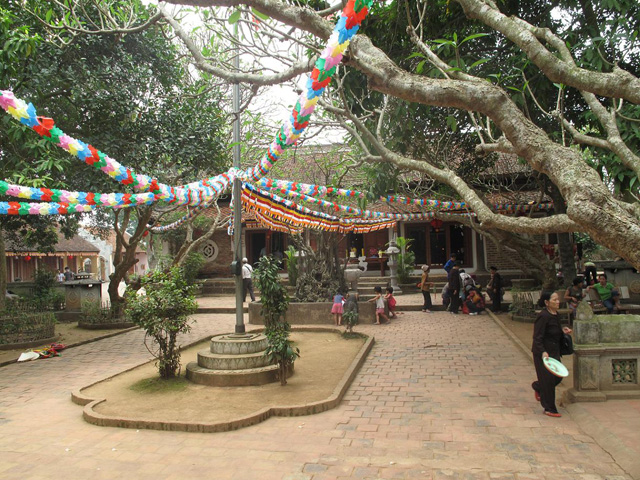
234 360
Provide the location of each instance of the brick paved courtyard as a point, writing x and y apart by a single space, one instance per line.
440 397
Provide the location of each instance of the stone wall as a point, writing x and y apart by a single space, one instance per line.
313 313
606 358
218 254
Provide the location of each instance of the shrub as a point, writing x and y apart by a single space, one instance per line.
292 265
163 313
406 260
96 312
44 280
275 302
25 327
350 320
192 265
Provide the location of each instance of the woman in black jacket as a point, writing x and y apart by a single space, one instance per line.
546 343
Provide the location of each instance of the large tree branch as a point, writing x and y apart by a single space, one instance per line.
234 77
300 17
486 217
590 204
617 84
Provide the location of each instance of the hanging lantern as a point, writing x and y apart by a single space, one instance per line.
70 257
27 258
436 223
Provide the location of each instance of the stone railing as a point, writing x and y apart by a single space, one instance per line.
607 354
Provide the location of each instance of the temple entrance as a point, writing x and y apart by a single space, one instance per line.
433 246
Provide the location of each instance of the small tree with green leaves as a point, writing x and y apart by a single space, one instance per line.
163 313
292 265
275 302
406 260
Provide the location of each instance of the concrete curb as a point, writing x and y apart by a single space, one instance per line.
83 342
95 418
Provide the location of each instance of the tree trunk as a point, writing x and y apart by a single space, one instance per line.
567 263
565 247
191 245
536 264
125 252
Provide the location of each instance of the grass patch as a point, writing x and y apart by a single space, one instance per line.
160 385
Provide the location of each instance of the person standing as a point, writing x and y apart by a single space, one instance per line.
425 288
68 274
60 277
391 302
590 273
247 280
337 309
494 289
450 263
379 301
547 333
454 289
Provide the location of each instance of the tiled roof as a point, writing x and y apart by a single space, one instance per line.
72 245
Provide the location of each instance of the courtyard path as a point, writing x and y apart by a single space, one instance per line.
440 397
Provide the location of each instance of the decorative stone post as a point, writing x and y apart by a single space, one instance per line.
352 274
393 252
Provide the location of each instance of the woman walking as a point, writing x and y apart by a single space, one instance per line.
547 333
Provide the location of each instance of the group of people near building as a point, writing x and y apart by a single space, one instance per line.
461 292
65 276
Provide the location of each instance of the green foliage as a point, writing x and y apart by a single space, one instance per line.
163 313
275 302
280 349
406 259
273 295
23 327
45 295
292 265
97 312
350 319
191 267
44 280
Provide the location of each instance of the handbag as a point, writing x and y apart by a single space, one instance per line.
566 344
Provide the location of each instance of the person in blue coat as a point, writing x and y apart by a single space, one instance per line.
450 263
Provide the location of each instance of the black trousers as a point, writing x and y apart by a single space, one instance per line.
247 283
590 274
496 301
546 384
455 302
427 305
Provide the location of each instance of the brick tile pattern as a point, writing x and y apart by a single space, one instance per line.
441 397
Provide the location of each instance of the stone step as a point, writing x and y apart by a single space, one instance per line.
214 361
232 378
238 344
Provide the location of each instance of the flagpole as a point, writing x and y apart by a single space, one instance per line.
237 207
